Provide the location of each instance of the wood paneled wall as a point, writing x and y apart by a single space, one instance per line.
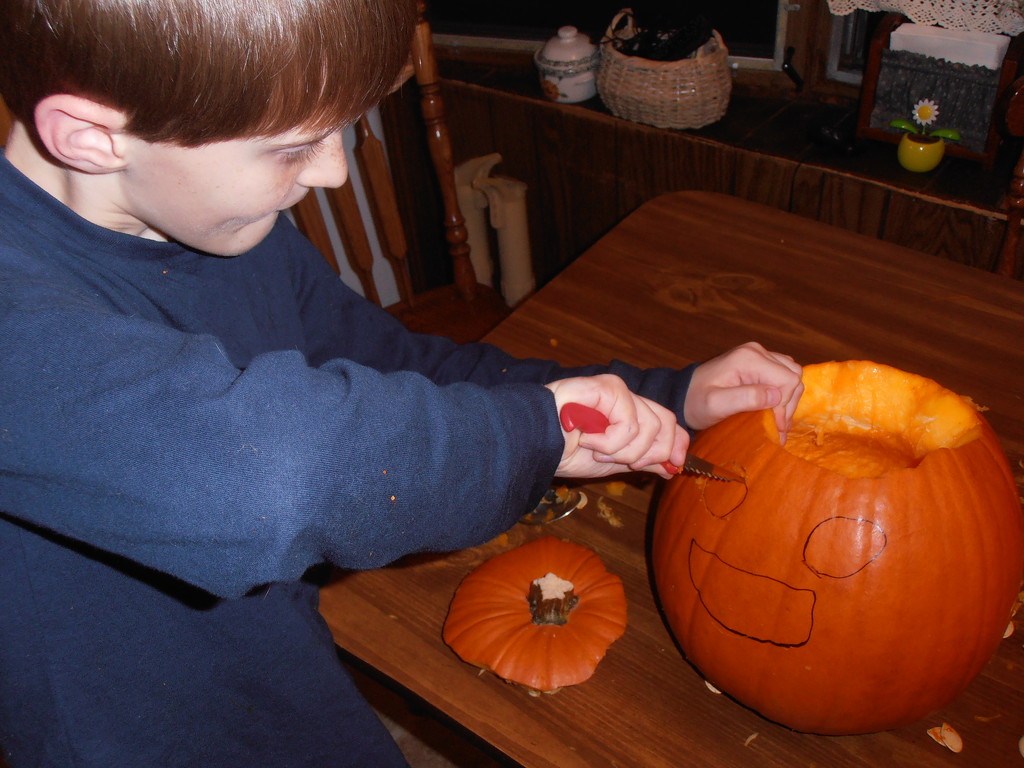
586 170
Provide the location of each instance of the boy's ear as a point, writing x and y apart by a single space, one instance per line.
82 133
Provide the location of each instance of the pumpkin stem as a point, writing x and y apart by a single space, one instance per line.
551 599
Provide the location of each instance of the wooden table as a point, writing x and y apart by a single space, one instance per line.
685 277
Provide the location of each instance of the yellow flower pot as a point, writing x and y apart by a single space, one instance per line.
920 153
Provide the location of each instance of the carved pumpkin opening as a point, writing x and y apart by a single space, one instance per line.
867 420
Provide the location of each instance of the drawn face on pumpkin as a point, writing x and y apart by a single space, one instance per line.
747 602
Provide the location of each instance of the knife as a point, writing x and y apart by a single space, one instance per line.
592 421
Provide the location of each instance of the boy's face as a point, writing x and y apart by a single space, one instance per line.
223 198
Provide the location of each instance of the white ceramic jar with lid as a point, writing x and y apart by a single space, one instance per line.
568 66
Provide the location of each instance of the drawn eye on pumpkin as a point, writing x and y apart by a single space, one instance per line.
722 499
864 541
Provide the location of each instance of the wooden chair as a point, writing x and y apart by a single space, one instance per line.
1012 108
465 310
5 123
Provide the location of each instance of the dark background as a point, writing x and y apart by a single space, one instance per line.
746 26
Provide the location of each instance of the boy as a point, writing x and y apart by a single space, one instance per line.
196 411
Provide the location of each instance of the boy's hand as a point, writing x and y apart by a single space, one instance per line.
640 436
747 378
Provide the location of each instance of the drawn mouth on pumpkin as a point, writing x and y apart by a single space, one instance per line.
769 610
750 604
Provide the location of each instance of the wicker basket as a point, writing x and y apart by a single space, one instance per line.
689 93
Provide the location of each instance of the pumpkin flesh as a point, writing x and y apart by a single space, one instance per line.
867 420
849 590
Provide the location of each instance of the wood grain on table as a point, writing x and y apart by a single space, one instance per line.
684 278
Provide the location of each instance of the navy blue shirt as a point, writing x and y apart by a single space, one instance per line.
182 437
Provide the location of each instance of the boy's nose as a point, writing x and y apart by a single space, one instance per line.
328 167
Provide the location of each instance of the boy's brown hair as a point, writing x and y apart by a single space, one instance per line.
192 72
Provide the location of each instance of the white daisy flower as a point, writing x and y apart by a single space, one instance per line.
926 112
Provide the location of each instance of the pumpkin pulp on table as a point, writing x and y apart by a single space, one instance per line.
864 573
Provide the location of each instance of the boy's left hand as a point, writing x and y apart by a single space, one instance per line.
746 378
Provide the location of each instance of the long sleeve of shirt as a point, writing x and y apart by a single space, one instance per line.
151 442
233 421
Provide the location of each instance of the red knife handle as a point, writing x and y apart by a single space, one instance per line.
584 418
592 421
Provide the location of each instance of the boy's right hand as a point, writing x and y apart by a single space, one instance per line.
641 433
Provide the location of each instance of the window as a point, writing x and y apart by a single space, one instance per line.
848 49
753 30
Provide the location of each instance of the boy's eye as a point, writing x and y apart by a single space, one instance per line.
303 153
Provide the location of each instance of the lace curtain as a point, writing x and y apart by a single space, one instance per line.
997 16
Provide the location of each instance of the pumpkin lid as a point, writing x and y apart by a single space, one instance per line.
541 615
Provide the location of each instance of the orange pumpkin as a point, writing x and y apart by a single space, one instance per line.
864 573
541 615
